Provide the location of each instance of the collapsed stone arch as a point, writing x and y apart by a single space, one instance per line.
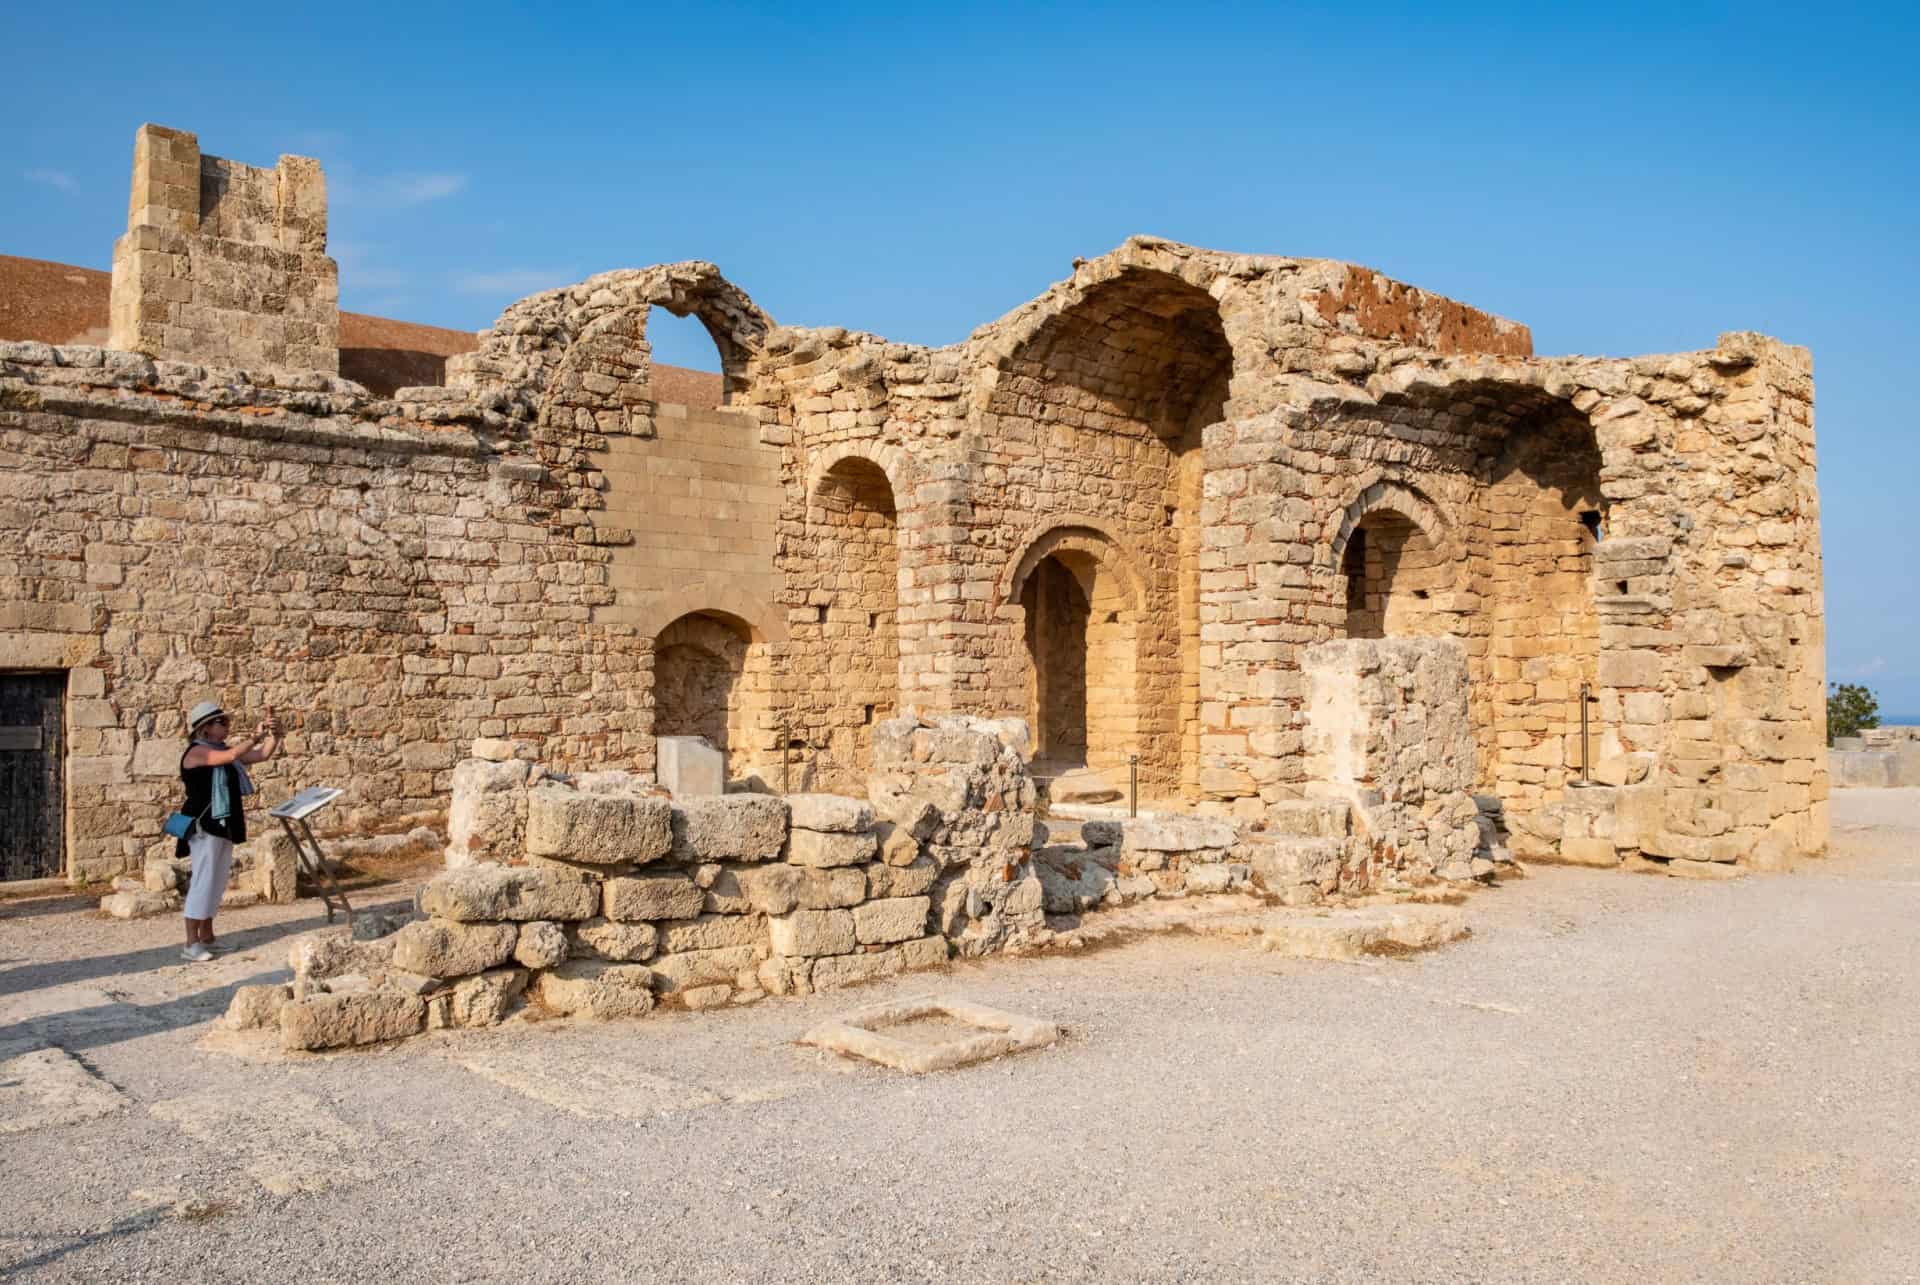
1139 342
530 343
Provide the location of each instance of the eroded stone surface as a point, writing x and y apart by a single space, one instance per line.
733 827
493 892
443 948
596 989
597 829
341 1021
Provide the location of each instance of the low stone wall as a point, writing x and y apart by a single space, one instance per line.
599 896
264 869
1878 758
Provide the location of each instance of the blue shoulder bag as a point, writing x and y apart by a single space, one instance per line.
179 824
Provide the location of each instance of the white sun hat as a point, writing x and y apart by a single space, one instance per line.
201 713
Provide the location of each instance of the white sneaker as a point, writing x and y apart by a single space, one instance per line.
197 952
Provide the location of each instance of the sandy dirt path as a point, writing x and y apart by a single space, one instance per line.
1616 1078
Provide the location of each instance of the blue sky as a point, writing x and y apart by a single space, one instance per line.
1622 178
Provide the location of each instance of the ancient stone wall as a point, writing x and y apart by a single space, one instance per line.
371 569
1122 511
224 262
1707 535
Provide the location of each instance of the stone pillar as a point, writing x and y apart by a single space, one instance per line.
1388 732
959 786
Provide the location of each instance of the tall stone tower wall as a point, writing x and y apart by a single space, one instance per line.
225 263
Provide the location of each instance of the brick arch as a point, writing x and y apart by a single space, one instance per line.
890 460
1134 341
1071 533
529 344
758 620
1376 493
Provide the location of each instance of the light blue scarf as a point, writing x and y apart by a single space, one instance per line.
221 808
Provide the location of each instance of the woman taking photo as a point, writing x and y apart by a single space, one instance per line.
215 776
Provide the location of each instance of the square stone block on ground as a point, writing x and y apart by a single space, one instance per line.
983 1033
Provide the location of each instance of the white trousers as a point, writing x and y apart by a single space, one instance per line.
212 867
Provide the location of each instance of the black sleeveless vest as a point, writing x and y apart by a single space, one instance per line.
199 785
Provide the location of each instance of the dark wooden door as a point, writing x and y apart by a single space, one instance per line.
32 778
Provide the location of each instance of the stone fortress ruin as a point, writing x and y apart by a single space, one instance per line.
1354 585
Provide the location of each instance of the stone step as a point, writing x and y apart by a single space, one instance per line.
1310 818
1372 930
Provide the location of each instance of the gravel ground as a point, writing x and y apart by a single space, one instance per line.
1618 1078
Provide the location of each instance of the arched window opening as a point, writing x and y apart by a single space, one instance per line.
686 361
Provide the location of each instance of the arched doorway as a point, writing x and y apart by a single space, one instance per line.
851 565
1082 623
698 663
1543 515
1117 384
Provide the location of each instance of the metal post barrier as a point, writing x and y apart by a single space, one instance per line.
1133 785
1585 696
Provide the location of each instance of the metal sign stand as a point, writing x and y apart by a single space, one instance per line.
308 858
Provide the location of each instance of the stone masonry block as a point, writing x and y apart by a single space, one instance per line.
813 932
817 849
733 827
661 896
901 881
479 894
611 939
341 1021
776 888
710 932
830 812
688 767
598 829
1176 834
692 968
443 948
540 945
892 920
485 999
595 989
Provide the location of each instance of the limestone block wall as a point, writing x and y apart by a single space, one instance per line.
595 895
1120 512
1687 596
1081 419
224 262
688 503
372 569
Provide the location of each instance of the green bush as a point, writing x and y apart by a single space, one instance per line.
1851 709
